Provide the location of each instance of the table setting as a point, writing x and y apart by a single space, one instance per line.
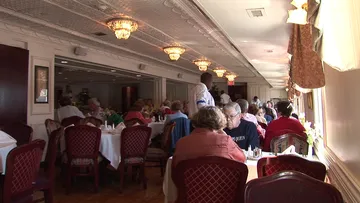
7 143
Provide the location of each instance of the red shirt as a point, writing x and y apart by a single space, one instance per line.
137 114
282 126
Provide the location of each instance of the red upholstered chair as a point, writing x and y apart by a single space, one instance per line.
51 125
134 144
279 144
21 132
290 186
22 166
210 179
268 166
95 121
73 120
45 181
82 152
160 155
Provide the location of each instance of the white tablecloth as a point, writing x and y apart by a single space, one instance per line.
156 128
170 189
7 143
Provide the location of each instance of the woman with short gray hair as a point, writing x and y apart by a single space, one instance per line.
208 138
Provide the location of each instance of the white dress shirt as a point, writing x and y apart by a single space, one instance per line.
68 111
225 98
200 97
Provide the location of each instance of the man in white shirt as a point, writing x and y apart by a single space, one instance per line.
256 101
67 110
225 98
200 95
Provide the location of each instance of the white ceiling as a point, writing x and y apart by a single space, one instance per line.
263 40
164 22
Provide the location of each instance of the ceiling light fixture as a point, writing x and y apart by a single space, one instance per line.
138 76
299 15
231 78
220 72
174 52
113 71
64 62
122 27
202 64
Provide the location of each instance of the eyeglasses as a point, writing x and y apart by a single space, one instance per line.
230 117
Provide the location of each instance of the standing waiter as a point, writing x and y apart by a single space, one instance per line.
200 95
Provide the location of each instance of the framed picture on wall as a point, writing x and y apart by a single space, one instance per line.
41 90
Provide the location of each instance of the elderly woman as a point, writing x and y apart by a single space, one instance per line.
136 111
176 108
208 138
96 110
67 110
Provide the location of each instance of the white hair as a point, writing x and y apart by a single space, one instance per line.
233 105
94 101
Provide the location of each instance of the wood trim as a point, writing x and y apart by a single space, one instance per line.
338 174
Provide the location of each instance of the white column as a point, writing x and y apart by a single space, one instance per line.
159 91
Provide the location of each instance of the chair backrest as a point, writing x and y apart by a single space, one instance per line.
51 153
268 166
22 167
166 137
182 129
210 179
51 125
72 120
280 143
132 122
135 141
290 186
82 141
21 132
95 121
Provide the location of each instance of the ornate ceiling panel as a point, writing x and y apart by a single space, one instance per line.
161 23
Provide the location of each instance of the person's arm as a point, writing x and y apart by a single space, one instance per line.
235 152
222 99
253 136
200 97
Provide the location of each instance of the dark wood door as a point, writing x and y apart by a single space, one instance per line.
238 91
13 84
129 97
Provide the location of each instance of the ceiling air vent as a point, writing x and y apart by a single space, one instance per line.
99 34
256 12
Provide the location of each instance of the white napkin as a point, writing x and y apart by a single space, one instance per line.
120 126
290 151
6 139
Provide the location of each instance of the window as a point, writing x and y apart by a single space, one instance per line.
318 110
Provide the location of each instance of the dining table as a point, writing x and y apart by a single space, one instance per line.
7 143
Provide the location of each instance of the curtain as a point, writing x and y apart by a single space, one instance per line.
339 22
306 68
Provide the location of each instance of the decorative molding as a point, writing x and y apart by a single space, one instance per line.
338 174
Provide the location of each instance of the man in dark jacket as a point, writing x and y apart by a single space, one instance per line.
243 132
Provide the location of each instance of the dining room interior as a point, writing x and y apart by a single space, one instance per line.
110 101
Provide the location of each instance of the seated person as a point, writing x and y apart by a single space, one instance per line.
258 113
136 112
243 132
176 108
283 123
96 110
165 108
67 110
208 138
244 105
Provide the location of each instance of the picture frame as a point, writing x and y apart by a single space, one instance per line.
41 90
